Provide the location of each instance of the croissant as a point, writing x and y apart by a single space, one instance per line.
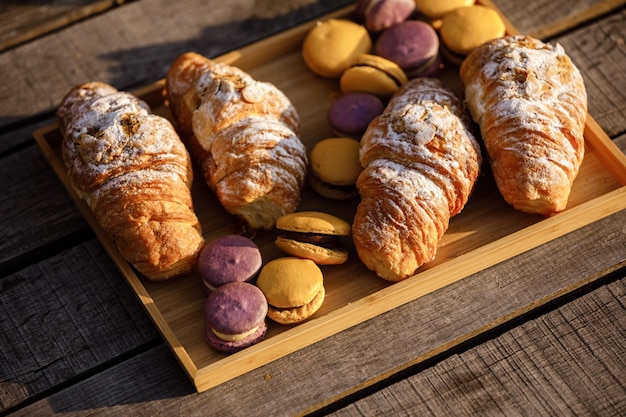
135 174
243 134
530 103
421 162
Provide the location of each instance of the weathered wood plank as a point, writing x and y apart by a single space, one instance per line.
359 357
35 208
569 361
552 17
134 45
65 316
599 51
25 20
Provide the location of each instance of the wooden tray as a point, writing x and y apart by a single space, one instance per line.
488 231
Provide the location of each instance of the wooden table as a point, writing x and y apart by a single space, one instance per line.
542 333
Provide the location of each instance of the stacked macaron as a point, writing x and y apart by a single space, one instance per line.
242 291
464 29
235 316
235 309
313 235
335 167
229 258
293 287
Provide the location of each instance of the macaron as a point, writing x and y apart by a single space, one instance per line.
372 74
334 168
377 15
466 28
227 259
351 113
331 45
313 235
235 316
293 287
413 45
437 9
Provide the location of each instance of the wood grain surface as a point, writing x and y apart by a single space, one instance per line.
74 340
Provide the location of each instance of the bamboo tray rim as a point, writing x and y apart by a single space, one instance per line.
384 300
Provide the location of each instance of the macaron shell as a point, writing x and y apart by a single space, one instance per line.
298 314
227 259
409 44
466 28
369 80
350 114
436 9
231 347
372 74
314 222
381 14
331 45
290 282
333 192
235 308
336 161
318 254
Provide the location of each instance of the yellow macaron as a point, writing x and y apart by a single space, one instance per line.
335 167
293 287
466 28
436 9
331 45
372 74
313 235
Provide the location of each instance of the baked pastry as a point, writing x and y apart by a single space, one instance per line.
437 9
350 114
372 74
530 103
331 45
465 28
420 163
293 287
228 258
135 174
413 45
235 317
313 235
243 134
377 15
334 168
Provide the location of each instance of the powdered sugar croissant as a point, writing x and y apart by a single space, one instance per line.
421 163
135 174
243 134
530 102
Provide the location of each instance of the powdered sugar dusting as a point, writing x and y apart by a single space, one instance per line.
248 130
529 99
111 134
420 162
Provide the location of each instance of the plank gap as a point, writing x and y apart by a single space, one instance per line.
139 350
603 278
44 252
571 23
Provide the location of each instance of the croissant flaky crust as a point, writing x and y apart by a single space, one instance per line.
421 163
243 133
135 174
530 103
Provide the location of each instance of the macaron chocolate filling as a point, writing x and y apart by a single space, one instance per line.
398 80
319 239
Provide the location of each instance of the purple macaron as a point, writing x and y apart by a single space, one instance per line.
235 317
351 113
378 15
413 45
227 259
